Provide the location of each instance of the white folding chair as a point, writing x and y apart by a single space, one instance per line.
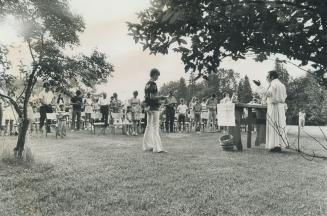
96 118
117 119
52 118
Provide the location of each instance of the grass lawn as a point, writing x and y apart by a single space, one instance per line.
85 174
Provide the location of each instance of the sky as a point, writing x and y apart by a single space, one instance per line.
106 30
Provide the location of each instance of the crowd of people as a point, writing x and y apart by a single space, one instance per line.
155 112
77 111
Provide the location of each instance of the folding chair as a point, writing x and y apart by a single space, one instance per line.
96 118
117 119
52 118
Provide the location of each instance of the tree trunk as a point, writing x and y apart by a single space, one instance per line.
22 131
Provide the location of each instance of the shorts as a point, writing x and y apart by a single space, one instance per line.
197 117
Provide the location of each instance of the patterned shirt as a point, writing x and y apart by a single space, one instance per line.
135 103
151 88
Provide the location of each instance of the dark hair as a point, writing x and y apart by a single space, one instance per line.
60 98
273 74
213 95
154 72
46 84
135 93
78 92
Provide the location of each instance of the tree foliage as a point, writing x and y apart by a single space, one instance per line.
205 32
283 75
182 91
48 29
306 93
245 91
224 81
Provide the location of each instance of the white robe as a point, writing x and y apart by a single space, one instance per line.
276 119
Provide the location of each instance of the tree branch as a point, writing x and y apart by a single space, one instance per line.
31 52
14 103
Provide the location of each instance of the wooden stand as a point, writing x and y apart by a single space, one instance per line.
261 129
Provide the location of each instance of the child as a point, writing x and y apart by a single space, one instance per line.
197 109
62 119
182 112
301 118
9 117
96 106
128 121
88 104
204 113
143 118
135 104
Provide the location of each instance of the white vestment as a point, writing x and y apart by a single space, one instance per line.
276 119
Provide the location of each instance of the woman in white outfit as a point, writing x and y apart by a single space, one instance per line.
88 104
152 140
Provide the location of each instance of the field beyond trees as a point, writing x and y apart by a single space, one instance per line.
87 174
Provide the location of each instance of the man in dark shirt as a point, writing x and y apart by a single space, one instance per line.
151 139
170 112
77 101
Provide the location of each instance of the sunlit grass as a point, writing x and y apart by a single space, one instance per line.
110 175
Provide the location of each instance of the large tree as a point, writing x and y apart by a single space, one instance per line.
245 93
305 93
283 74
182 91
206 31
49 28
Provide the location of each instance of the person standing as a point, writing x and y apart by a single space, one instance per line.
276 119
9 118
88 104
115 103
204 112
104 108
170 112
226 99
302 118
182 112
191 105
197 108
46 97
151 139
77 102
212 108
135 104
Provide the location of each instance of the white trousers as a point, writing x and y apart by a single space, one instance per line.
151 139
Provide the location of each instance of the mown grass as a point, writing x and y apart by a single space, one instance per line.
110 175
